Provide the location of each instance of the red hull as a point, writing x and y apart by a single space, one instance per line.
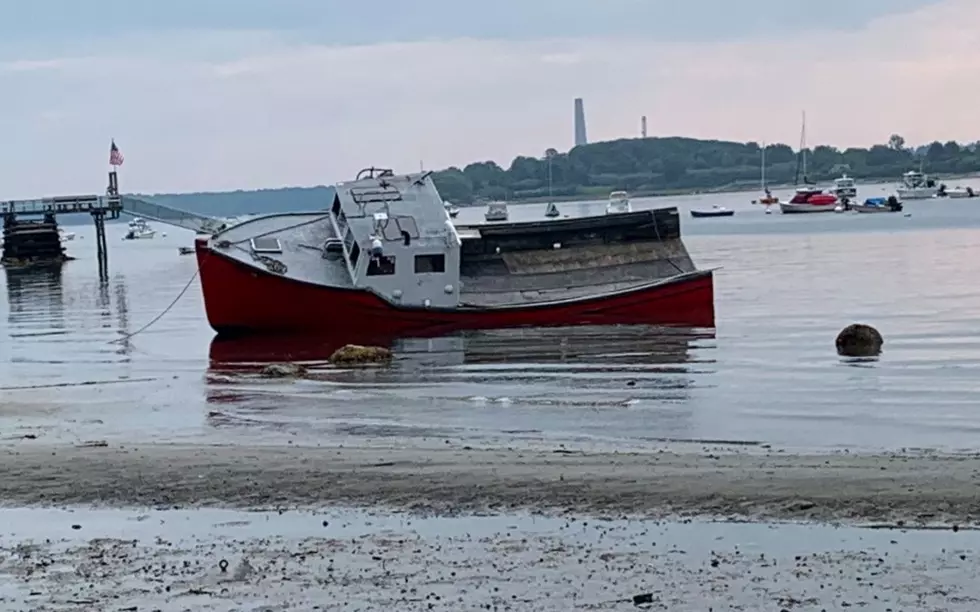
241 299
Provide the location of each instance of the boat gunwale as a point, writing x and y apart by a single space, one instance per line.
462 307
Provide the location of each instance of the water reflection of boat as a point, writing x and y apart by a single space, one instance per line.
620 345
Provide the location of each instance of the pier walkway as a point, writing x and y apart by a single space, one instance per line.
100 207
110 206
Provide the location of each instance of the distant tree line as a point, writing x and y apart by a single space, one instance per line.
647 166
643 166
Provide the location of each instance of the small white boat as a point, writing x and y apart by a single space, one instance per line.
844 187
878 205
65 236
185 250
619 202
961 192
916 185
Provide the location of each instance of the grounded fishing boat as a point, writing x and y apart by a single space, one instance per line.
387 259
878 205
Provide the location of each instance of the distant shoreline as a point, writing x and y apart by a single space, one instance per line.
730 189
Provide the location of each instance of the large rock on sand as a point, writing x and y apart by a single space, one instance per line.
355 354
283 370
859 340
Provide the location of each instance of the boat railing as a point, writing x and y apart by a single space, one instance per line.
373 172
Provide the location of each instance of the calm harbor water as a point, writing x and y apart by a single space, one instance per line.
767 374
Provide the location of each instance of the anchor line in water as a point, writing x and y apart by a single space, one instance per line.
165 310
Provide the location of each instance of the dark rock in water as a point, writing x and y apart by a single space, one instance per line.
859 340
355 354
283 370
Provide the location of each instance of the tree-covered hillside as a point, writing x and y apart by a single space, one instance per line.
643 166
658 165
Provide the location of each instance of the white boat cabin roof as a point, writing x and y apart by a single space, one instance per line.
391 205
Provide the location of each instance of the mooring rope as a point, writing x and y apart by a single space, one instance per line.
165 310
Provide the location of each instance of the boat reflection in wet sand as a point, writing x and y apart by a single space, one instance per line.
618 345
387 259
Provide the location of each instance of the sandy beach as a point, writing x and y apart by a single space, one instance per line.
175 528
219 560
896 488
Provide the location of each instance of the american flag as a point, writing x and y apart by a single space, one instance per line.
115 157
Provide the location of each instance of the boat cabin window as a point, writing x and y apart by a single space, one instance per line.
336 205
430 264
266 245
355 252
381 266
400 227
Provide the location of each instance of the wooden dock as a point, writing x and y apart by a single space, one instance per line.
102 207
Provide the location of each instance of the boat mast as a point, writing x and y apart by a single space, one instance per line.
803 148
763 166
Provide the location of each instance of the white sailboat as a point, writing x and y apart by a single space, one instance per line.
808 198
767 199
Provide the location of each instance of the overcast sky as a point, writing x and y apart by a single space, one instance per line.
227 94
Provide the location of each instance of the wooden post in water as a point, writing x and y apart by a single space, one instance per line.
101 244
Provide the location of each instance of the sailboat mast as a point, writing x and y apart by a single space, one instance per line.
803 146
763 166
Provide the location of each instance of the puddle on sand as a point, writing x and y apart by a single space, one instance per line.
360 560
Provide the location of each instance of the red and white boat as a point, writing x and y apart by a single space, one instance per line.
809 200
386 259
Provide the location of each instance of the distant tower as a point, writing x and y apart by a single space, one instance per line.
580 138
643 126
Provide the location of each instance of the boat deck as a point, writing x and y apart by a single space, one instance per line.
523 273
301 236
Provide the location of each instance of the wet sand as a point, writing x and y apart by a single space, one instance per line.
353 560
898 488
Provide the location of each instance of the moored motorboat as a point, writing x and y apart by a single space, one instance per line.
916 185
809 200
386 259
844 187
960 192
139 230
619 202
878 205
185 250
716 211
